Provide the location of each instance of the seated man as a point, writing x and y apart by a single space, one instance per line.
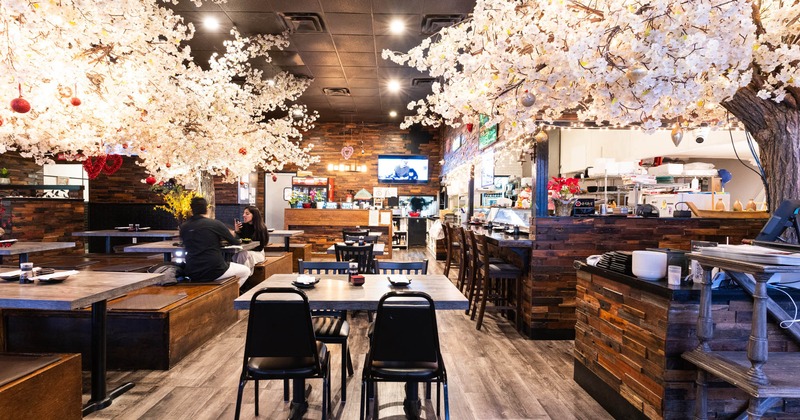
202 238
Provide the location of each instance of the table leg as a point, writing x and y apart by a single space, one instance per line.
299 404
100 397
108 244
167 256
286 244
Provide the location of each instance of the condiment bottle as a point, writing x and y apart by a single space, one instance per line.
751 205
737 206
720 205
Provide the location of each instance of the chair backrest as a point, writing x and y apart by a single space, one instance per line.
405 330
448 238
481 259
401 267
474 258
461 238
362 254
355 238
322 267
354 232
279 325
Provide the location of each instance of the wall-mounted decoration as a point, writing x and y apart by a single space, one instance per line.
486 135
457 141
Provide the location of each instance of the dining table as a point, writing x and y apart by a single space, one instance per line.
22 249
127 233
81 289
334 292
377 250
168 248
285 234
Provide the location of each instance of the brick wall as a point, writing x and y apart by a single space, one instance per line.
23 170
378 139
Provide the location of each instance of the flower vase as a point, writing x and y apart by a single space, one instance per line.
5 181
298 205
564 207
306 205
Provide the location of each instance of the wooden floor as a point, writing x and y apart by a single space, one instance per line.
494 373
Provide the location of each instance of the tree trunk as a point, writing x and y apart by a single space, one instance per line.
205 187
776 129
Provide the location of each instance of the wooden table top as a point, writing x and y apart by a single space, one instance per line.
277 233
378 249
77 291
169 246
129 233
28 247
334 292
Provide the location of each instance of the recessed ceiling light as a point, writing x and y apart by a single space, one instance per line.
397 26
211 23
392 114
394 86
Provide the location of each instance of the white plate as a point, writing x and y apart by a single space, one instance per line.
399 280
57 276
305 279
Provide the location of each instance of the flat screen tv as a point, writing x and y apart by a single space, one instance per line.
403 169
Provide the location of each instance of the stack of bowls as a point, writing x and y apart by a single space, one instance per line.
649 265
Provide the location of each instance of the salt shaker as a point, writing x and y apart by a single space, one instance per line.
25 272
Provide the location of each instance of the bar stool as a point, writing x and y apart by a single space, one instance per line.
494 281
453 249
465 267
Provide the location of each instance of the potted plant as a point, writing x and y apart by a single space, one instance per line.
297 199
5 176
317 199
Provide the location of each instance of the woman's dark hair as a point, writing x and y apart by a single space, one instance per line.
260 233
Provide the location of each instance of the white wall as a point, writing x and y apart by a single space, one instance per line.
74 172
580 147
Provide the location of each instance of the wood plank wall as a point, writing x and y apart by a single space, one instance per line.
632 341
549 294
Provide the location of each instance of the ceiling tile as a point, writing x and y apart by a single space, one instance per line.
448 7
360 73
397 43
399 73
347 6
358 59
320 58
397 7
187 6
197 18
349 23
286 58
364 91
326 71
298 70
341 101
323 82
354 43
250 23
363 83
293 5
312 42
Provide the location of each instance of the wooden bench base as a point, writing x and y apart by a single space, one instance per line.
137 339
274 263
299 251
49 392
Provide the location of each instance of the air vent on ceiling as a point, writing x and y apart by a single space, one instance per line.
337 91
433 23
422 81
303 22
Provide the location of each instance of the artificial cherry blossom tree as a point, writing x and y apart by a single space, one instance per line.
95 77
650 64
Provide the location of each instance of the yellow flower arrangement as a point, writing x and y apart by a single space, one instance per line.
177 200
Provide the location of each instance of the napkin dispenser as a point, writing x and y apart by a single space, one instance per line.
357 280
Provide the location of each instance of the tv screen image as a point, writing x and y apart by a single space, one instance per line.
403 169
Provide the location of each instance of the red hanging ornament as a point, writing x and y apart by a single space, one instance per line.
112 164
469 127
242 151
93 168
1 121
124 145
75 101
167 164
274 178
20 105
150 180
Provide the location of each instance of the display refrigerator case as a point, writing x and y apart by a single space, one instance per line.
306 184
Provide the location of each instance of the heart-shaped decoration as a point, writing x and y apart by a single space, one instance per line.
347 151
94 167
113 163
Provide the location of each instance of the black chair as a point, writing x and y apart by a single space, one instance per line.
330 327
362 254
453 249
280 343
495 281
401 267
404 347
354 232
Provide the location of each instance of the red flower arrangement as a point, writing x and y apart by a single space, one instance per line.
563 188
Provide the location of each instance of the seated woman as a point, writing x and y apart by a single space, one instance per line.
252 227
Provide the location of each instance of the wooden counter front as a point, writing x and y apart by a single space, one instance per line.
323 227
630 335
